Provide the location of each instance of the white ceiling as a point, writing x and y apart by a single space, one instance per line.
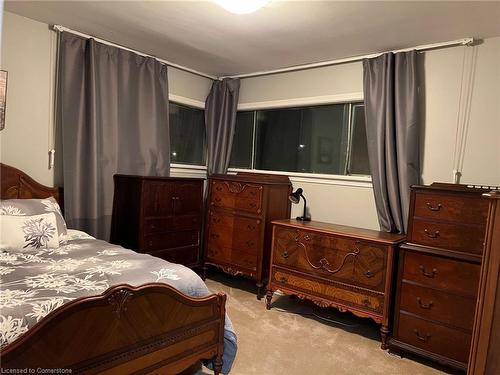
203 36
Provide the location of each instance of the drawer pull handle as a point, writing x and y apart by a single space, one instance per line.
283 279
423 338
218 188
428 274
434 208
251 227
369 274
250 243
285 254
426 306
217 199
253 204
215 236
430 234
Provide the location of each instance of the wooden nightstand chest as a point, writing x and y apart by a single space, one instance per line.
161 216
335 265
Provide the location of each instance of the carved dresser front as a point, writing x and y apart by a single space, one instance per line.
335 265
238 230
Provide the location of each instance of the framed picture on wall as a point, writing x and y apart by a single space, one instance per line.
3 97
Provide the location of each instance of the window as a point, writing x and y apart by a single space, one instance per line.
187 135
324 139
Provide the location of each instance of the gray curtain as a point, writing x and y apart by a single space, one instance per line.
391 110
112 110
220 120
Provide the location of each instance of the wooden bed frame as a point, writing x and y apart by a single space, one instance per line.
150 329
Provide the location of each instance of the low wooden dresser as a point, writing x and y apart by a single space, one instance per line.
161 216
335 265
238 232
438 273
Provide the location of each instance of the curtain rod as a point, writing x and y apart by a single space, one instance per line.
184 68
425 47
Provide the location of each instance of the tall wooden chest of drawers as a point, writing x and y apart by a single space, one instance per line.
438 273
335 265
161 216
238 231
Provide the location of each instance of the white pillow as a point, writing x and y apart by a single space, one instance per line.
29 232
27 207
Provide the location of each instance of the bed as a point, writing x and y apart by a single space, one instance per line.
95 308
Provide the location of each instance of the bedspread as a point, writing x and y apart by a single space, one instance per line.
36 282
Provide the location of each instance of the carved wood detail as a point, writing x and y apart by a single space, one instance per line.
16 184
332 294
368 262
119 300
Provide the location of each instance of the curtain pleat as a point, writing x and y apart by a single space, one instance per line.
391 109
112 110
220 120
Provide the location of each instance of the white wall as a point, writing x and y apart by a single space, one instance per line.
354 205
26 55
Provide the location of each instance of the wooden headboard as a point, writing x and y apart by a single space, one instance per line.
17 184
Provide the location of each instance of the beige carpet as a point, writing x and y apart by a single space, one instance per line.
279 342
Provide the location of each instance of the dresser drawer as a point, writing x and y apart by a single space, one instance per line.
170 223
187 256
441 273
352 261
224 255
242 241
170 240
236 196
224 220
438 305
336 292
456 208
463 238
435 338
158 198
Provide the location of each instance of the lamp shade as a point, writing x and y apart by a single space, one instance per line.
295 197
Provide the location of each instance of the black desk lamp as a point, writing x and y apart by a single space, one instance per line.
295 198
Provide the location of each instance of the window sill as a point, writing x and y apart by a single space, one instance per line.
188 170
314 178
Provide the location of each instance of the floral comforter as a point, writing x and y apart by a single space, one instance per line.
36 282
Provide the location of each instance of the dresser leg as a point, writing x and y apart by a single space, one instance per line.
259 289
217 365
384 332
204 272
269 297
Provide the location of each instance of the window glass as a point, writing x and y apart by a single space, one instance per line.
187 135
241 155
323 139
359 163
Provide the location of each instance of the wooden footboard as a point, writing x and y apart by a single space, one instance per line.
152 328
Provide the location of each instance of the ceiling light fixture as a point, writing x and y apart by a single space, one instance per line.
242 6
